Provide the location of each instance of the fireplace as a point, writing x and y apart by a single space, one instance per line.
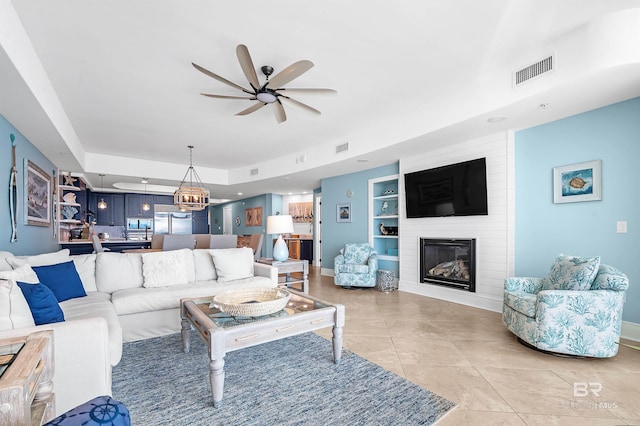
448 262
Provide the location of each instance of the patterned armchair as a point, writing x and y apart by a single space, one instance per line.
356 266
575 310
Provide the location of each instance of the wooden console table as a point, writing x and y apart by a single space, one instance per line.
26 373
291 266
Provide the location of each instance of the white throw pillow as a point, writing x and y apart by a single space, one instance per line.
23 273
41 259
14 309
233 264
86 267
164 268
205 271
4 264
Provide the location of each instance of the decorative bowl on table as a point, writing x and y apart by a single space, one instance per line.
252 302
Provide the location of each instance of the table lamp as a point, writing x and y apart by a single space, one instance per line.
280 224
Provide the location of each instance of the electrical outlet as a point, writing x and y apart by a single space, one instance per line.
621 227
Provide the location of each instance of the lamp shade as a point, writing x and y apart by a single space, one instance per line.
279 224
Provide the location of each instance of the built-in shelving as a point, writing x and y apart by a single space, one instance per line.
383 221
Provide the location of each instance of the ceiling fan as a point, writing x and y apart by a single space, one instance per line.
271 91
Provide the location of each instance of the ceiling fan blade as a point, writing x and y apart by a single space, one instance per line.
278 110
290 73
299 104
227 97
252 108
220 79
311 90
247 65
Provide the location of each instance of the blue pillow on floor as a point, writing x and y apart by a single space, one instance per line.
102 410
62 279
42 303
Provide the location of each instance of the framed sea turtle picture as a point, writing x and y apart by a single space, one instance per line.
578 182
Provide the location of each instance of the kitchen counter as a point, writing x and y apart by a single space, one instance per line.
115 245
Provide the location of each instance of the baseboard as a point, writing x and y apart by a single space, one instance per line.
476 300
631 331
326 272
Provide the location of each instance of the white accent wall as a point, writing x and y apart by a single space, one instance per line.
494 233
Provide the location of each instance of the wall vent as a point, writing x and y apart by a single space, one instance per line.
254 172
342 148
534 70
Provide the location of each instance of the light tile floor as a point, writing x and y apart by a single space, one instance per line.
468 356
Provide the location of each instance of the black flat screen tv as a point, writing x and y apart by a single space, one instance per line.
454 190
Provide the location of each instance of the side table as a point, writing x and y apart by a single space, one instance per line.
385 281
285 269
26 386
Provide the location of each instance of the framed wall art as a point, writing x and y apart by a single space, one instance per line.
37 195
578 182
343 212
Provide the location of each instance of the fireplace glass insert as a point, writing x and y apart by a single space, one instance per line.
448 262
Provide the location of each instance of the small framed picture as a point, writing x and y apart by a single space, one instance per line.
578 182
343 212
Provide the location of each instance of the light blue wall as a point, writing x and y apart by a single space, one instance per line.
270 203
31 239
334 191
545 229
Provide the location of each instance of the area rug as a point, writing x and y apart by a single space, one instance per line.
292 381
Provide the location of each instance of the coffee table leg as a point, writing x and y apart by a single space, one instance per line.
216 375
337 344
186 336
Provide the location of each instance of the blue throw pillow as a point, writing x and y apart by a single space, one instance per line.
62 279
42 303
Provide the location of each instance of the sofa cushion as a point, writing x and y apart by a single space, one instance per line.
42 303
86 267
164 268
14 310
41 259
137 300
94 305
203 263
233 264
118 271
521 301
62 279
610 278
353 268
571 273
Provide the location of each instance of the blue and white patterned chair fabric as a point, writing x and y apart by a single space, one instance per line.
575 310
355 266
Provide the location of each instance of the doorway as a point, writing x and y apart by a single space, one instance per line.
317 226
227 220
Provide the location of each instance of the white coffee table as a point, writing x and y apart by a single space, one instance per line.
225 334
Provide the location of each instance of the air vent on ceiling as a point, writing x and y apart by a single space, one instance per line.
534 70
254 172
342 148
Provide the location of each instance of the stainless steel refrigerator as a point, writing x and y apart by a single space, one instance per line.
169 219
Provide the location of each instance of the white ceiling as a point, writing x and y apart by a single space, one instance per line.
108 87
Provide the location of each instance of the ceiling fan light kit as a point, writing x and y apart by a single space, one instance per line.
267 93
195 196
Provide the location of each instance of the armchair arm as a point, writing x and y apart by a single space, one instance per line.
373 263
337 261
531 285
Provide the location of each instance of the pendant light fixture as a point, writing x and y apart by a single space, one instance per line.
145 205
102 204
193 196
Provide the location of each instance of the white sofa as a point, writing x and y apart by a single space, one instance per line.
128 297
